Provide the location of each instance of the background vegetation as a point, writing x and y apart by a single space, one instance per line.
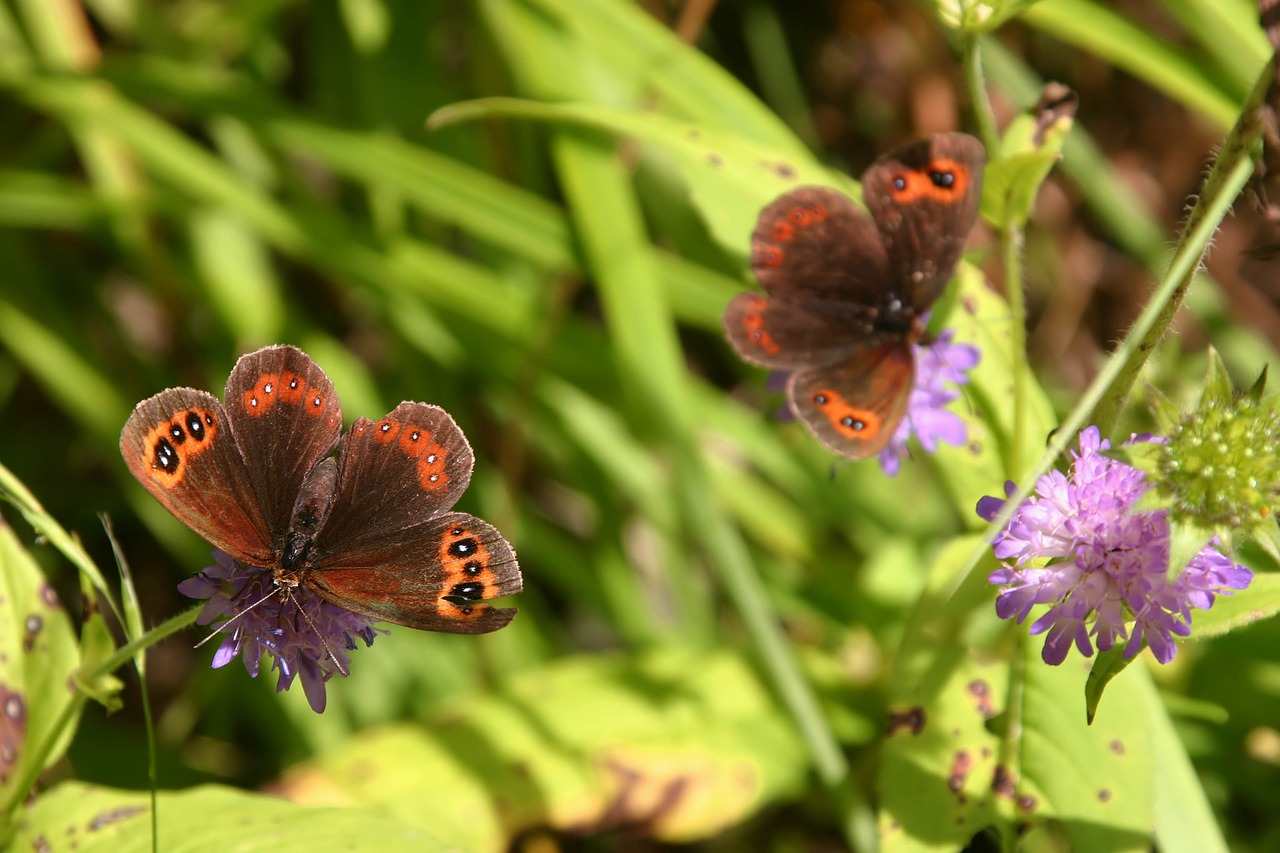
718 617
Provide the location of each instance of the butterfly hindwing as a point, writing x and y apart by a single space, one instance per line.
390 549
854 406
780 333
434 578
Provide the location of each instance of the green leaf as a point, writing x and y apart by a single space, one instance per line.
1267 536
1167 414
1218 390
1259 387
1243 607
1187 538
729 177
1184 819
686 751
1031 147
648 62
940 761
1010 186
38 655
1094 778
96 646
210 818
1106 666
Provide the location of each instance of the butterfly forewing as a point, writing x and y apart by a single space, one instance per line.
178 445
814 243
285 418
924 198
395 473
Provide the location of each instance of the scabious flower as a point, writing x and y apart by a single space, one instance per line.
941 368
1107 578
304 634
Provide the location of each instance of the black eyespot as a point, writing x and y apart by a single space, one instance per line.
176 433
457 531
852 423
899 183
820 399
195 426
473 567
469 591
945 180
165 456
463 548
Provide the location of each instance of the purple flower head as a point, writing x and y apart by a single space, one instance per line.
941 368
304 634
1106 575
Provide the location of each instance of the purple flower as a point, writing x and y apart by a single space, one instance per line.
304 634
1106 579
941 368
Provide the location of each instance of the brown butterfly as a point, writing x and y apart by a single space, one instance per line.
368 530
844 291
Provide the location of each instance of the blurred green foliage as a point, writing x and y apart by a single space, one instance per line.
718 618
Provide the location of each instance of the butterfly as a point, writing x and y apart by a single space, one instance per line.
845 291
368 529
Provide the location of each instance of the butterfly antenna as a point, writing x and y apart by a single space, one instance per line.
233 619
297 605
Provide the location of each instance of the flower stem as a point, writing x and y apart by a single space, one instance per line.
1227 177
983 115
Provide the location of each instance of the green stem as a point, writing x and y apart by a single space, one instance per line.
1101 402
160 632
983 115
1230 171
36 760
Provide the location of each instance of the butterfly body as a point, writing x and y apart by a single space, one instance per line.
846 290
368 530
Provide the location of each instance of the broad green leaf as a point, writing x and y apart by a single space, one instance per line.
1010 186
730 178
1095 780
208 818
650 62
1243 607
1184 819
683 751
38 654
940 762
943 758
